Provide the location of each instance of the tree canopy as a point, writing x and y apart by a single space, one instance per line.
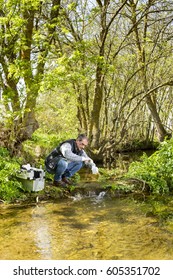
101 67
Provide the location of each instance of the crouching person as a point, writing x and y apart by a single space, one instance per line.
67 159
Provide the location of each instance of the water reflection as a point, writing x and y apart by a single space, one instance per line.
40 227
89 228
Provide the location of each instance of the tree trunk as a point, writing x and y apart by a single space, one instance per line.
161 131
94 132
140 43
97 104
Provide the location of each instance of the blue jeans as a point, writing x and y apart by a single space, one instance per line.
66 169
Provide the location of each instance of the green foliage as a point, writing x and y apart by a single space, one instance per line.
114 177
53 53
155 171
44 140
120 187
10 188
107 174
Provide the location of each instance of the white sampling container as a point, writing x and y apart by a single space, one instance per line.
33 179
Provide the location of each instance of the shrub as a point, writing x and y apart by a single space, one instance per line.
10 188
157 170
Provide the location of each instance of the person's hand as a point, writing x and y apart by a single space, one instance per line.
94 170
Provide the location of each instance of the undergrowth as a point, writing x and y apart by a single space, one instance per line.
155 171
10 188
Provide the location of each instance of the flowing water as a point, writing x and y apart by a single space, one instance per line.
85 228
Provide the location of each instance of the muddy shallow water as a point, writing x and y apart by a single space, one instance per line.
95 228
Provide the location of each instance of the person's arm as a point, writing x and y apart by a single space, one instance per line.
69 155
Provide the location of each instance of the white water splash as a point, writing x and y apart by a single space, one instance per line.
77 197
101 195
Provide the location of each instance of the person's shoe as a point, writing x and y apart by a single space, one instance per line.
66 181
59 184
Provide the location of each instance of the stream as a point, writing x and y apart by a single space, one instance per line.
88 228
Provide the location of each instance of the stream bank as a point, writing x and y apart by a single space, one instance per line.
82 189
